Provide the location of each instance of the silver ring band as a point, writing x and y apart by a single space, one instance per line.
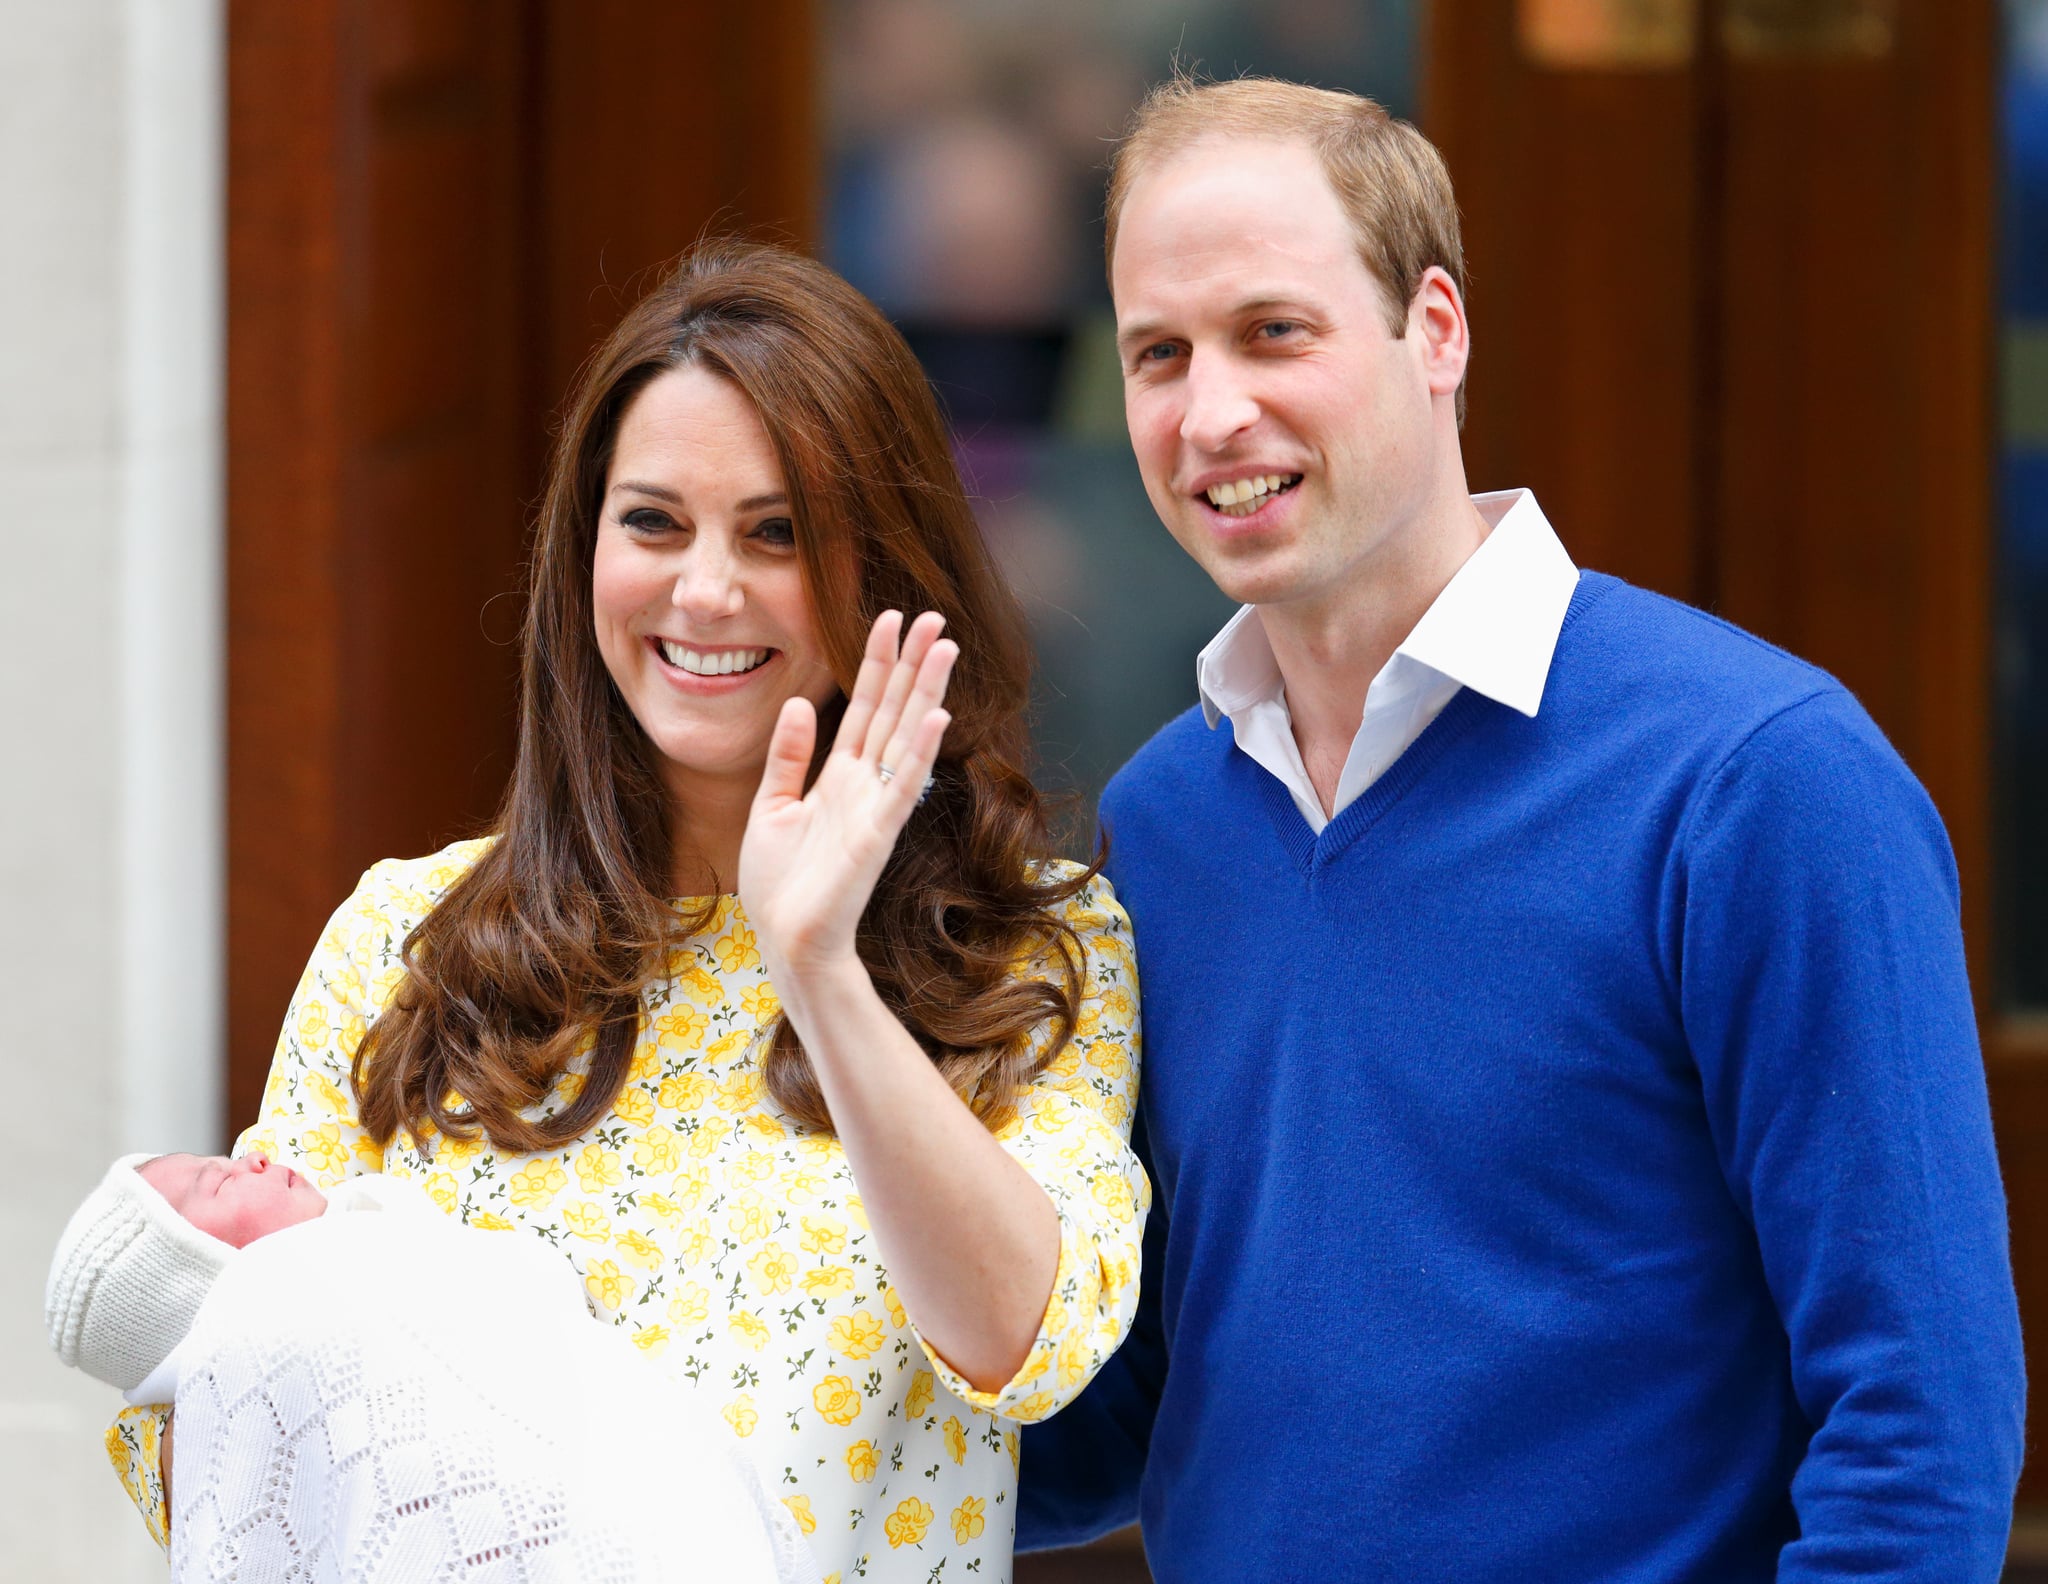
885 773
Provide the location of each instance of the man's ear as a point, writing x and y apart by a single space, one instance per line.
1436 317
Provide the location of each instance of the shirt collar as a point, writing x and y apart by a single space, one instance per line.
1493 629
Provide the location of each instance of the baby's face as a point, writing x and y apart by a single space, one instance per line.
237 1201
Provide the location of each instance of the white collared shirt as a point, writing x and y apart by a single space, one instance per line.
1493 629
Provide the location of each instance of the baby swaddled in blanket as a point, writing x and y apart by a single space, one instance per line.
391 1397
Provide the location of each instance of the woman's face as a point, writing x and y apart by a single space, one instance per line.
698 596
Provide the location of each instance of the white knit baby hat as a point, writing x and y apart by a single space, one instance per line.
127 1278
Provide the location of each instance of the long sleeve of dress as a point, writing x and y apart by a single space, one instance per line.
1072 1133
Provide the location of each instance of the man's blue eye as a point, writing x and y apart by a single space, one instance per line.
1275 328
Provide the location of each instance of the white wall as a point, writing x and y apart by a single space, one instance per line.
110 684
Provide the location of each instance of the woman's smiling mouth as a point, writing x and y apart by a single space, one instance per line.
711 662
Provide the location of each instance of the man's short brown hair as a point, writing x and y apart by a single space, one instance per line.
1389 178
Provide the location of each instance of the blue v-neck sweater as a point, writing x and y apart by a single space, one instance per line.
1572 1164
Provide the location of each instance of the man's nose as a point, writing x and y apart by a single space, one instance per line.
1220 402
707 584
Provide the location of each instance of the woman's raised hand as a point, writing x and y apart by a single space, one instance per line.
810 860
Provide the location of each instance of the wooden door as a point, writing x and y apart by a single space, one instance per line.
435 207
1732 296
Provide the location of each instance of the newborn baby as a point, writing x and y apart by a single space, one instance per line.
390 1396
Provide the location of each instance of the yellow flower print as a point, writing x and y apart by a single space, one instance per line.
828 1282
662 1206
325 1152
313 1026
1109 1058
752 1167
683 1027
968 1521
658 1149
490 1221
1010 1446
761 1003
646 1063
568 1087
1116 1110
907 1524
1117 1005
640 1249
385 985
919 1397
862 1460
765 1125
897 1317
956 1438
699 985
741 1092
774 1268
1055 1318
857 1211
823 1235
330 1096
836 1400
587 1221
1050 1114
858 1335
537 1183
597 1168
730 1046
353 1028
684 1092
1113 1192
651 1340
705 1141
749 1328
369 1152
800 1509
1074 1359
608 1285
739 1413
690 1305
692 1183
441 1189
635 1106
1035 1407
822 1148
736 951
1066 1064
749 1220
697 1244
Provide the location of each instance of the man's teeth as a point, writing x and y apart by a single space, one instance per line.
717 662
1242 497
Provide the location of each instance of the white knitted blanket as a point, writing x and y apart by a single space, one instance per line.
390 1399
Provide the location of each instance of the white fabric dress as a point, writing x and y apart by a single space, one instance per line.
485 1429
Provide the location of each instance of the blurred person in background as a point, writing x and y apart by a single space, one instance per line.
1562 1087
767 1004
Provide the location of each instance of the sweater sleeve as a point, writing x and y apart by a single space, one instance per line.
1822 985
308 1113
1071 1131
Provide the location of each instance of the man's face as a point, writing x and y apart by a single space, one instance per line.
237 1201
1258 362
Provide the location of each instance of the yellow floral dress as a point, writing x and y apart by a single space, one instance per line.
730 1239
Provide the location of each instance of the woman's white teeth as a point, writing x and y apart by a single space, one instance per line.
1247 495
712 662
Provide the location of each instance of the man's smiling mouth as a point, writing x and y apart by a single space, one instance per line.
1242 497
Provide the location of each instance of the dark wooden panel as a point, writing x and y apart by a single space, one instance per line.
2019 1112
426 199
1581 214
1855 421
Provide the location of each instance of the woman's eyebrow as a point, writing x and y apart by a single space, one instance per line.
658 491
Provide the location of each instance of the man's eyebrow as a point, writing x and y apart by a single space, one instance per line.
663 493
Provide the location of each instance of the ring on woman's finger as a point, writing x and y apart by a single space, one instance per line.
885 773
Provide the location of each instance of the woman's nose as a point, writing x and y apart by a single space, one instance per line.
706 586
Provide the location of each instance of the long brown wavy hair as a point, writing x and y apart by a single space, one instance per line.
547 945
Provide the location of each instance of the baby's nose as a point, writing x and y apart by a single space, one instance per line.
258 1162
